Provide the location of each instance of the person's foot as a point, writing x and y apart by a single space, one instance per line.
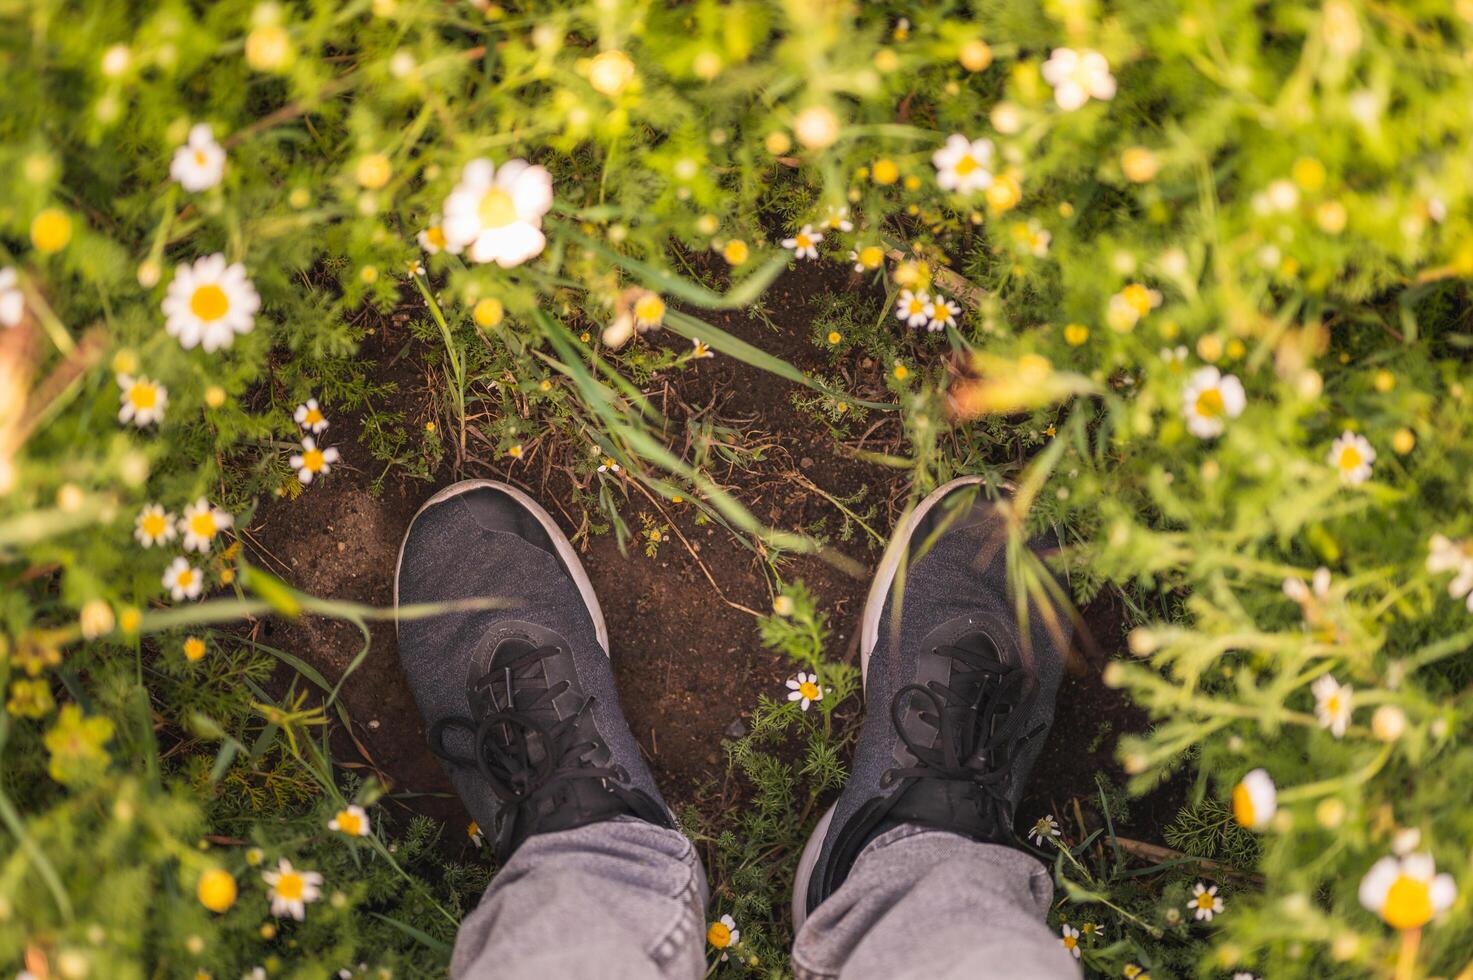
518 700
959 695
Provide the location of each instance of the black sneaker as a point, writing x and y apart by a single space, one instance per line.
960 700
519 701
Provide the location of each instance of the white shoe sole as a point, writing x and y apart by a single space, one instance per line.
554 533
869 636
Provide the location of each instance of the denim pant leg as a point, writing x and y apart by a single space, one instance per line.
621 899
923 903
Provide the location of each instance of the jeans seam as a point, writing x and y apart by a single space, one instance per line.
668 946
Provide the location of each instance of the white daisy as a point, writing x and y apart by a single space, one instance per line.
723 934
432 240
495 214
1446 555
1318 588
143 400
183 580
200 163
1332 704
867 258
1407 892
941 312
1070 940
290 890
699 349
352 821
12 300
200 523
312 461
1204 903
962 164
805 243
1044 829
1352 456
1255 800
473 831
209 302
309 416
609 465
154 525
911 308
805 689
1211 398
1078 76
837 219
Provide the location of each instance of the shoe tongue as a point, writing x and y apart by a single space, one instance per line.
951 804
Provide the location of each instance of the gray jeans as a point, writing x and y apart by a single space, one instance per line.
625 899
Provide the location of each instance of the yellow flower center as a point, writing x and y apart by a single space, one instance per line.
1333 704
803 240
1408 903
51 230
290 886
871 256
1071 941
1138 297
1243 810
350 823
154 525
809 690
314 416
649 309
497 209
1350 458
473 829
186 578
194 648
1209 403
719 935
835 336
203 525
916 306
886 172
143 396
966 165
216 890
199 158
435 235
209 302
1205 901
313 461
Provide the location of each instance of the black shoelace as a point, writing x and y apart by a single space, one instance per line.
977 721
524 759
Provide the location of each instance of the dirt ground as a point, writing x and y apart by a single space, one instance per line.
688 663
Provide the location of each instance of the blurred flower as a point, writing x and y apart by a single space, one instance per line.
1044 829
200 523
1388 723
96 619
975 55
473 831
805 243
962 164
1204 903
1004 193
1332 704
194 649
1303 594
497 213
804 689
1139 164
30 699
610 72
290 890
1078 76
1352 456
1076 334
911 307
868 257
1129 305
209 302
1070 940
816 127
837 219
1445 555
649 310
488 312
268 48
1255 800
1407 892
143 400
699 350
312 462
609 465
432 240
885 172
942 313
1210 398
199 164
51 230
216 889
372 172
309 416
352 821
12 300
735 251
183 580
76 745
154 525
